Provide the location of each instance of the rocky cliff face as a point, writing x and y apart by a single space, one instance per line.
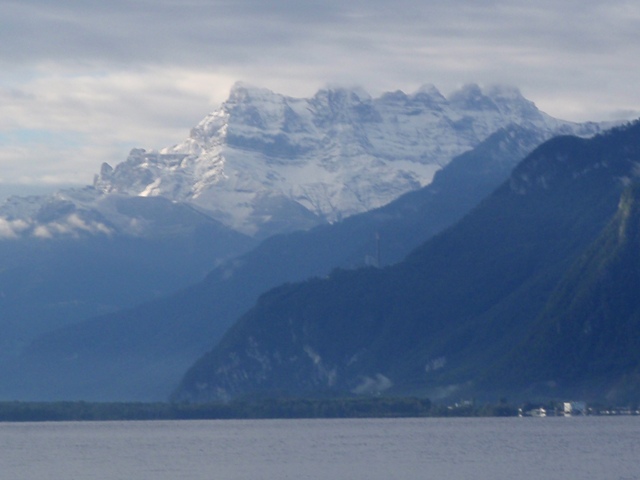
264 163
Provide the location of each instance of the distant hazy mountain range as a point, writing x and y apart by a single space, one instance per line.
261 164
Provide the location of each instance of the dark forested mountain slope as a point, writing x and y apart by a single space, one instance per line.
586 340
439 321
141 353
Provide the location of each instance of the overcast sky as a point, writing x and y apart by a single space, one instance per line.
84 81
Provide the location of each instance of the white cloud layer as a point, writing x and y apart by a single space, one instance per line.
84 82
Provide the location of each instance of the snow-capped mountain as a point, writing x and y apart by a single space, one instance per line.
265 163
340 152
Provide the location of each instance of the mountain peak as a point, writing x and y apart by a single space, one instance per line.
262 154
340 98
471 97
429 89
508 100
243 92
504 92
354 91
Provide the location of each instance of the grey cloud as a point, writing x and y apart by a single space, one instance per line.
375 39
235 36
171 31
148 31
123 64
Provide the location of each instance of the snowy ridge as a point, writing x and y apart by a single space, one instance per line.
264 163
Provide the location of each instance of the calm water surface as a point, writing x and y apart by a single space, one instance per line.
457 449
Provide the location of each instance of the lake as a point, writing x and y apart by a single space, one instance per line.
372 449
